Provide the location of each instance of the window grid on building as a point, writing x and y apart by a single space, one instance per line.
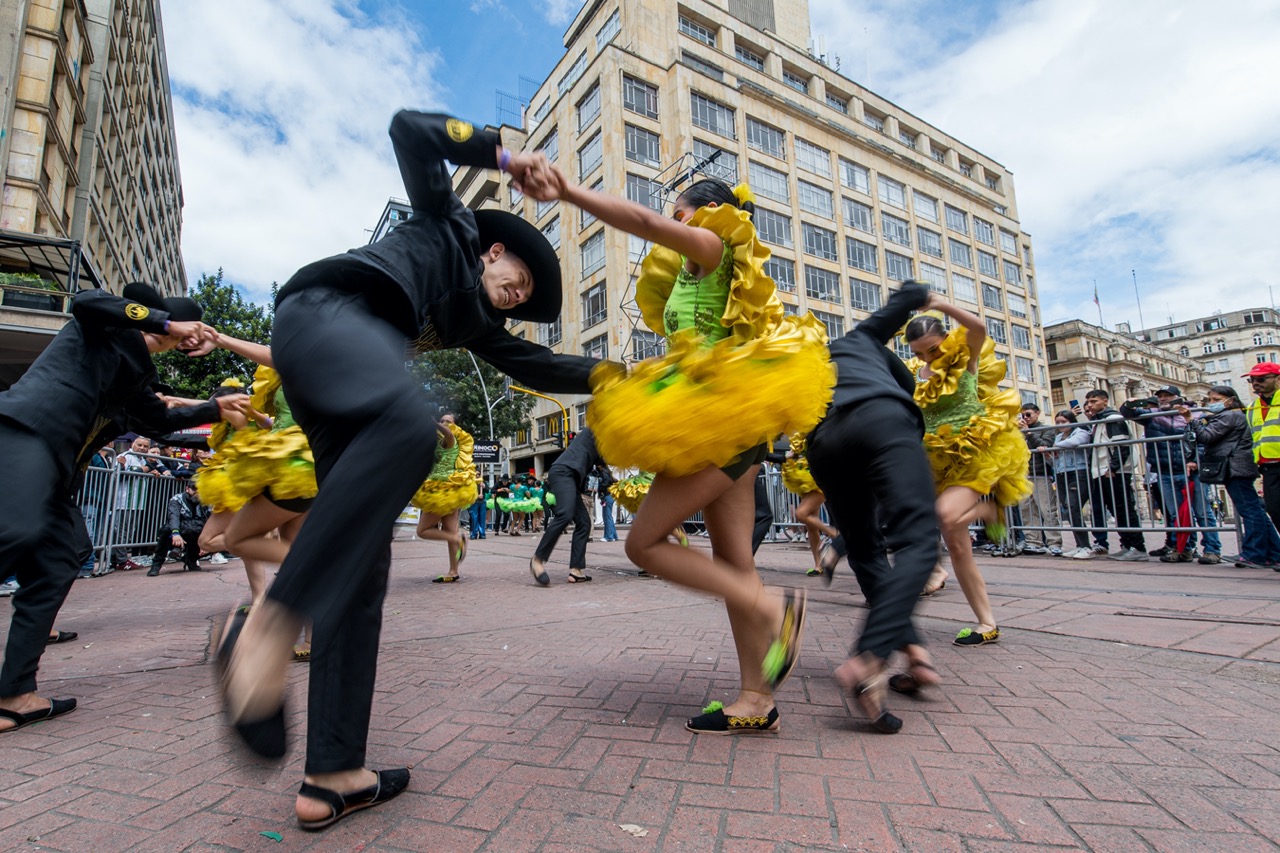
748 57
964 288
550 146
864 295
934 277
590 156
930 241
833 322
773 227
858 215
540 208
813 158
795 81
961 254
697 31
700 65
821 284
591 254
957 220
1017 305
992 297
907 138
550 334
1012 273
637 248
898 267
838 103
873 121
642 146
892 193
1024 367
552 232
765 138
712 115
769 182
585 218
571 76
597 347
862 255
819 242
639 97
926 207
855 176
984 231
595 305
996 330
611 28
589 108
647 344
725 167
815 199
896 229
644 191
783 273
1021 336
1008 243
987 264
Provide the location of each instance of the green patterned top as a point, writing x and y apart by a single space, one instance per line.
284 414
699 303
446 461
955 409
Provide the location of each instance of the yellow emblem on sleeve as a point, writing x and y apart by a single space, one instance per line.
134 311
459 131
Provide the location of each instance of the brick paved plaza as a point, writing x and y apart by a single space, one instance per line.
1128 707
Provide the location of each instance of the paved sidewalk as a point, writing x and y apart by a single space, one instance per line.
1128 707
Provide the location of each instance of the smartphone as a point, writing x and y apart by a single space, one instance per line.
1074 404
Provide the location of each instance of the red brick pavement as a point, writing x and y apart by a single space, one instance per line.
1127 708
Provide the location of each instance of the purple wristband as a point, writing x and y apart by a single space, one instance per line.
166 327
504 160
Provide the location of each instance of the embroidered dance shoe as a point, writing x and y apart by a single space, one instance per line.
785 650
970 637
714 721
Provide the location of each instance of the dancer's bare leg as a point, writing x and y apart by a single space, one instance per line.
212 537
248 535
436 528
958 507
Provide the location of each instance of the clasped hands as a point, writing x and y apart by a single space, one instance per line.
537 177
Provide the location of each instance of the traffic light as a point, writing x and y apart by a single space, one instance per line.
560 440
568 438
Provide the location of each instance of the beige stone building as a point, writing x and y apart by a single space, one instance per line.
92 194
1225 345
853 192
1083 356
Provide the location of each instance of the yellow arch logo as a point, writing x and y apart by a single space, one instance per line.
459 131
134 311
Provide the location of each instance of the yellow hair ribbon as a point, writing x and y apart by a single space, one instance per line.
743 194
231 382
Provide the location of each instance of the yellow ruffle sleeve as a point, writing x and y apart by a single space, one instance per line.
630 493
458 490
796 476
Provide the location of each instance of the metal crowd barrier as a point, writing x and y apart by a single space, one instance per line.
125 509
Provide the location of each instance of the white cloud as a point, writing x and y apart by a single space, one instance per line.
281 109
560 11
1141 135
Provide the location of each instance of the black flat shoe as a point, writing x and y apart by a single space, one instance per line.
906 683
714 721
390 784
538 569
61 637
266 737
870 695
57 707
829 557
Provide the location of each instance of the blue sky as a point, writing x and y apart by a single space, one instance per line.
1141 135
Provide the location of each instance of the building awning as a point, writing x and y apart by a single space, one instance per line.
58 258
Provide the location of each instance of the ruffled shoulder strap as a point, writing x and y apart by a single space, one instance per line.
952 363
466 447
266 381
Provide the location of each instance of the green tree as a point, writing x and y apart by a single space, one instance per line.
450 379
227 311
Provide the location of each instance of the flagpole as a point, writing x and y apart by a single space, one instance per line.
1097 302
1141 322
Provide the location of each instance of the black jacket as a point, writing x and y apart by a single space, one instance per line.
428 282
93 383
1226 435
866 369
578 459
1040 464
186 516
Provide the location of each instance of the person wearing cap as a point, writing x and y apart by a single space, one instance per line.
447 277
92 383
1168 459
1264 423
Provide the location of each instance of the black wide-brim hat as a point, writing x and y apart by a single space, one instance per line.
531 246
180 308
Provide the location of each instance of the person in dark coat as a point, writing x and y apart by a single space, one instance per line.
186 522
447 277
567 480
92 383
867 455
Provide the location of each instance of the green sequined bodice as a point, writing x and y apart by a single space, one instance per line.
284 415
955 409
699 303
446 460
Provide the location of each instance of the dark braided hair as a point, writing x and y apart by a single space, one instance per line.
923 325
713 191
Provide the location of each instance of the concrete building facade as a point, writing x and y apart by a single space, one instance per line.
1225 345
853 192
1083 357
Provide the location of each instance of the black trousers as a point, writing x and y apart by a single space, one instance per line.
869 461
1271 491
764 515
372 434
1114 495
43 541
190 548
569 507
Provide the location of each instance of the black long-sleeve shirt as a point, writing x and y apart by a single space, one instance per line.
866 369
578 459
93 382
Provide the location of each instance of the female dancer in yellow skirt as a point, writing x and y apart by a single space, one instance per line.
449 488
974 444
798 480
737 372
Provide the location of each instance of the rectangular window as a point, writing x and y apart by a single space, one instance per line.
550 146
768 182
595 305
930 241
996 330
1017 305
926 207
517 197
774 227
966 169
964 288
550 334
862 255
748 57
592 254
833 322
1021 336
763 137
783 273
957 220
864 295
819 242
938 154
795 81
898 267
991 297
935 277
540 209
611 27
571 76
552 232
540 113
548 426
701 65
788 308
961 255
993 183
873 121
642 146
892 193
644 191
647 344
597 347
590 156
855 177
1008 243
1012 273
987 264
711 115
984 231
837 103
821 284
589 108
584 218
1024 367
725 165
639 97
815 199
858 215
902 349
697 31
813 158
896 230
637 248
907 138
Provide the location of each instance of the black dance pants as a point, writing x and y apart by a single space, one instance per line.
190 548
869 461
764 515
43 541
568 507
372 434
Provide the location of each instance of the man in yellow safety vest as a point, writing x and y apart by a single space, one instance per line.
1264 421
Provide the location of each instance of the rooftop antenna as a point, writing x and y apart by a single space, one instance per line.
1138 297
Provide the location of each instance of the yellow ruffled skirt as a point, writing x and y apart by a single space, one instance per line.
279 460
441 497
701 406
988 455
217 489
630 493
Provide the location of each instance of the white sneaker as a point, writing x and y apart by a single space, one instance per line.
1081 554
217 559
8 588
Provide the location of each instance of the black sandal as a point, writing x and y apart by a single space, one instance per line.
906 683
266 737
57 707
582 578
390 784
829 557
61 637
872 692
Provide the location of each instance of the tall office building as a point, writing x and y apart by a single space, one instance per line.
1226 345
853 192
92 195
